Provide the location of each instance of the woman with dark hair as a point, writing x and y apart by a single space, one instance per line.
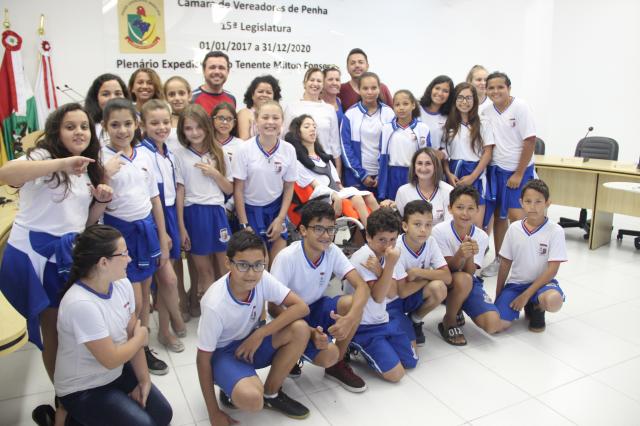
104 88
316 169
435 105
101 374
262 89
323 114
61 188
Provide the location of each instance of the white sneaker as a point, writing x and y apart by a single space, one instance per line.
491 270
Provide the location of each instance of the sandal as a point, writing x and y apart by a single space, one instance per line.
460 321
450 335
177 346
179 333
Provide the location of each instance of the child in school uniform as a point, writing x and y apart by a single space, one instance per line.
316 169
225 129
156 125
427 272
399 140
204 177
463 244
360 135
323 114
62 189
382 342
532 252
101 375
177 91
512 163
136 209
425 183
306 267
264 171
104 88
468 142
232 344
435 103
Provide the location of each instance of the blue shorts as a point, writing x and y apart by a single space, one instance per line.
478 302
384 346
171 225
229 370
208 228
261 217
396 177
511 291
319 316
501 196
400 309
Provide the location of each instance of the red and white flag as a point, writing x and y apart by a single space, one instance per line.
45 93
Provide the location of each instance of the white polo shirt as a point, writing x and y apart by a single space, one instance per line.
264 173
436 122
428 256
439 199
229 146
85 316
374 312
449 241
45 208
460 146
309 280
163 169
133 185
199 188
226 319
401 143
530 250
510 129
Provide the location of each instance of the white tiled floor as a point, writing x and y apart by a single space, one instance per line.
584 369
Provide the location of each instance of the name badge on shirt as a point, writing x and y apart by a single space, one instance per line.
512 121
277 166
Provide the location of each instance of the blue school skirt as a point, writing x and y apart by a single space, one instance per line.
461 168
142 241
35 268
208 228
396 177
260 218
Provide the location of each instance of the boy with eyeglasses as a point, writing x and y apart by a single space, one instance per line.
306 267
232 345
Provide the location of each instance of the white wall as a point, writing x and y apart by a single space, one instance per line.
575 61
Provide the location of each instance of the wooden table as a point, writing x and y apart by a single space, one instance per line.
13 327
579 182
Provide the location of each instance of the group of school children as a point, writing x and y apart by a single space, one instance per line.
116 192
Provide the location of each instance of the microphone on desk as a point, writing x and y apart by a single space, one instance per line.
589 130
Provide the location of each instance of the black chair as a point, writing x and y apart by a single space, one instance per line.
596 147
539 149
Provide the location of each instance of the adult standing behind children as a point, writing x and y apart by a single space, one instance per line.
358 64
215 67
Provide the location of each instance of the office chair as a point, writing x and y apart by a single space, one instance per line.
539 149
597 147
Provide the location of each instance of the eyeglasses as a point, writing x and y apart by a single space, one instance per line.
244 266
319 230
222 119
123 254
467 99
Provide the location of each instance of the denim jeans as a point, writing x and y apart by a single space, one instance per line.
111 405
